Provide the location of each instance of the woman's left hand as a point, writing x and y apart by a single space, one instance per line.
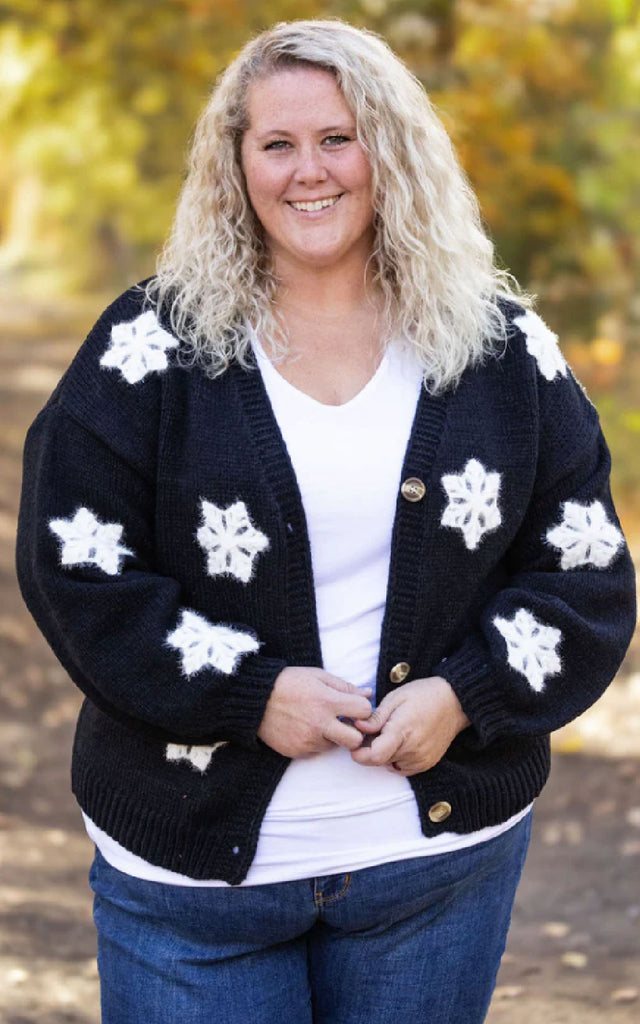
413 727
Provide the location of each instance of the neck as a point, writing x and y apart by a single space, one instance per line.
325 293
328 307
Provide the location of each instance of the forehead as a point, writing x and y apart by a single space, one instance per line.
298 96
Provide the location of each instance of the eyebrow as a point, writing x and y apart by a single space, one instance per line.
340 129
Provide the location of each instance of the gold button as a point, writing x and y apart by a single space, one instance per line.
399 672
439 811
413 489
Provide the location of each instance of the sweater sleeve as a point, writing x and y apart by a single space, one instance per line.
550 641
121 629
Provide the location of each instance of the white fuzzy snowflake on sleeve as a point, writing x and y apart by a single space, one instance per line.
138 347
230 540
473 502
542 344
202 643
585 536
531 647
87 541
199 757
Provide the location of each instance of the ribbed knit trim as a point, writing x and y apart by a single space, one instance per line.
407 542
466 670
303 637
498 790
245 701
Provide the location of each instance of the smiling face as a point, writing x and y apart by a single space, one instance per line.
308 178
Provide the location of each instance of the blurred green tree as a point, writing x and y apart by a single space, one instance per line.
541 96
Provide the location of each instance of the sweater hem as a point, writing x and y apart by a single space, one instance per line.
166 839
494 796
177 844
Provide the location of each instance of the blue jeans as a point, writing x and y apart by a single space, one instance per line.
411 942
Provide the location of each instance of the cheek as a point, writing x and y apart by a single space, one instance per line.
264 182
360 174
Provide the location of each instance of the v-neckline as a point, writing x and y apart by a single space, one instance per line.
326 408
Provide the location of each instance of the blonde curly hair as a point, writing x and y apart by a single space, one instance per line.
432 260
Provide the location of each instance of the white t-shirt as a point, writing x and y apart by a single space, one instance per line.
329 814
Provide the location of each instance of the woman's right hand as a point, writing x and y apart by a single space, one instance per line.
303 713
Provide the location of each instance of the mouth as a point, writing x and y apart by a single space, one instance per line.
317 205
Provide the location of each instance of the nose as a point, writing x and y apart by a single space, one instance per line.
310 167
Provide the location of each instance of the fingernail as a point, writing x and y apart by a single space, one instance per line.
367 689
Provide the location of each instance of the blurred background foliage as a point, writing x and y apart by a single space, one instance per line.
542 98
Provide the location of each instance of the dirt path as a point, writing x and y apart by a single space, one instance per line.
573 955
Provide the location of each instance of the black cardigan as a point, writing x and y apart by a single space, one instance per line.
163 552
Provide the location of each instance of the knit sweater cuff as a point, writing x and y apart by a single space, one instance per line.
246 700
468 672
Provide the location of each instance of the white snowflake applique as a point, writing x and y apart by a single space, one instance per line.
585 536
473 502
230 540
542 344
87 541
138 346
202 643
200 757
531 647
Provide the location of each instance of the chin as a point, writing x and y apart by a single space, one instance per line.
321 257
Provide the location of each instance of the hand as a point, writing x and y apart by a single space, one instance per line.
303 713
415 725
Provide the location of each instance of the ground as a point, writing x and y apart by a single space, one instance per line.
573 955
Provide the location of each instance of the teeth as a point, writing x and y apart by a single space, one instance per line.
319 205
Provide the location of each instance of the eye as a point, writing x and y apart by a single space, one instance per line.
337 140
277 144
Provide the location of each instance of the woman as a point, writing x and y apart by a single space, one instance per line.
319 521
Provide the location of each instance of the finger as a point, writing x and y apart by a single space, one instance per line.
352 706
382 750
378 718
342 686
369 726
342 735
372 724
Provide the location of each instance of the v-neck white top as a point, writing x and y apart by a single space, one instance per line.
330 815
348 462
